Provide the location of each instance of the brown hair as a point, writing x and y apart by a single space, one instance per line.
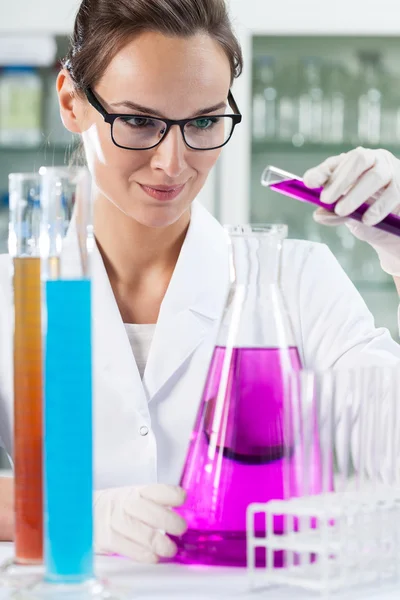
103 27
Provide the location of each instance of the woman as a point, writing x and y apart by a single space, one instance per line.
161 264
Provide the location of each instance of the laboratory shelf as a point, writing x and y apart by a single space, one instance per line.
271 147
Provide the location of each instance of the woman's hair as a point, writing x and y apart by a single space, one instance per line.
103 27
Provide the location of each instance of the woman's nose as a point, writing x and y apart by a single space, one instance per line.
169 155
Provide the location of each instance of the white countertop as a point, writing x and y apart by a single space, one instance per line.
177 582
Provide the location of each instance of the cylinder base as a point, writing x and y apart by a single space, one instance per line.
17 575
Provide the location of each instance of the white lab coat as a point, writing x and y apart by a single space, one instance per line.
142 428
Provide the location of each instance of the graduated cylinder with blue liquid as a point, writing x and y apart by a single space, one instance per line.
66 245
68 480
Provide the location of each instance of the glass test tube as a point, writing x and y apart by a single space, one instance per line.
292 186
24 249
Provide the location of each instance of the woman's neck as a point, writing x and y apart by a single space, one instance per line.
130 249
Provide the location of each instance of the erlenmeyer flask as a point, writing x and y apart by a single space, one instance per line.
237 450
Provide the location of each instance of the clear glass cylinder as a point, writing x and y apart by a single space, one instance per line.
66 244
24 248
237 450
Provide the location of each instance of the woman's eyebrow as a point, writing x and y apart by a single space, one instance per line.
211 109
151 111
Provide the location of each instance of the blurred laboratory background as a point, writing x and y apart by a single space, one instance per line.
311 88
313 97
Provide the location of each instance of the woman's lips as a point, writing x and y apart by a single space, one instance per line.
163 192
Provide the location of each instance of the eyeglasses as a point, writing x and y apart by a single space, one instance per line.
143 132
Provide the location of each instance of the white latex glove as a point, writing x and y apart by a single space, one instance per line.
134 521
362 175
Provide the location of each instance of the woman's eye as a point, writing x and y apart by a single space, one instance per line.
139 122
204 123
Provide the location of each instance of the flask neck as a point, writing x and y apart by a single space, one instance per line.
255 314
255 260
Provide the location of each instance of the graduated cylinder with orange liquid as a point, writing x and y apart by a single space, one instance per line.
24 237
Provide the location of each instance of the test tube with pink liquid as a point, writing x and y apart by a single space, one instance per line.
293 186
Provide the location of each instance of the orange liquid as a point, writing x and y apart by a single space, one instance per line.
28 411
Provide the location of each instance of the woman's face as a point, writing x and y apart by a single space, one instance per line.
170 77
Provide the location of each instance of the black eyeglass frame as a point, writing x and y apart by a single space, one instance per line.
111 117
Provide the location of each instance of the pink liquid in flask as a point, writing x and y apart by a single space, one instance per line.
238 455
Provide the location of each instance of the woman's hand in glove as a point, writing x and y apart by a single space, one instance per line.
134 521
362 175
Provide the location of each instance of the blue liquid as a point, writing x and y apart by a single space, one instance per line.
68 487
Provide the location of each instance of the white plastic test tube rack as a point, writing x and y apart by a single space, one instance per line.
338 540
331 542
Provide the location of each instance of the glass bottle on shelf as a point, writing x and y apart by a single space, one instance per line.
288 109
264 99
334 103
390 120
311 101
352 91
370 98
20 106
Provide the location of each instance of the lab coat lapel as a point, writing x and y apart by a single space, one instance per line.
113 356
194 300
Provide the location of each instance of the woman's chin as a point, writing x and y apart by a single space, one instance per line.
158 217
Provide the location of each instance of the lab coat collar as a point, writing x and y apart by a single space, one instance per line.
202 262
191 307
